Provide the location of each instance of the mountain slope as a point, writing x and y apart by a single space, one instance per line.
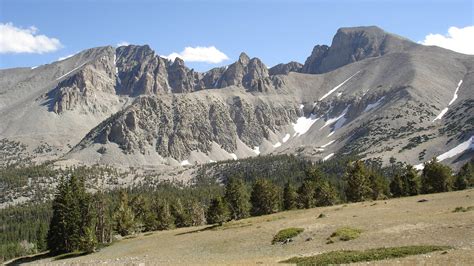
370 93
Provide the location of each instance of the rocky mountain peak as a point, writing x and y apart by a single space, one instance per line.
284 69
353 44
244 58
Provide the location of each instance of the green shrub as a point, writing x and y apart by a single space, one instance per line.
346 233
284 234
350 256
462 209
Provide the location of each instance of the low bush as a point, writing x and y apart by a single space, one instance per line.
287 233
351 256
346 233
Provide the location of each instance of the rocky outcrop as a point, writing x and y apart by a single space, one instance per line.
284 69
353 44
176 125
93 77
251 74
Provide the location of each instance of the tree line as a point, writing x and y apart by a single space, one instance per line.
78 220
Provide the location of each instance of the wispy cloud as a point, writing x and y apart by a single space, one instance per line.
123 43
200 54
457 39
25 40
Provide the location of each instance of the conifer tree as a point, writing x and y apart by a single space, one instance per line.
396 186
465 176
124 219
358 183
164 218
237 197
436 177
411 181
325 194
306 194
218 212
289 197
265 197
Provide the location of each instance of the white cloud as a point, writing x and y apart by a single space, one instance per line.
200 54
18 40
460 40
123 43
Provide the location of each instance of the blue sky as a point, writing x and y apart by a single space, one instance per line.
275 31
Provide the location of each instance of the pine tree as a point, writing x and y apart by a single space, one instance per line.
218 212
465 176
237 197
180 216
396 186
103 226
72 217
265 197
197 214
124 219
358 183
325 194
164 218
378 185
289 197
411 181
436 177
306 194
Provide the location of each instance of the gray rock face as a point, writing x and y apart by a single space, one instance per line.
284 69
176 125
353 44
95 76
252 74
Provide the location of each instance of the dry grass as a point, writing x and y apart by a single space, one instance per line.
391 223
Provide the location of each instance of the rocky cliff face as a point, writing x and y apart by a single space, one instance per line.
177 125
351 45
95 76
284 69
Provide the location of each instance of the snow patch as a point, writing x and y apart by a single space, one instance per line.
256 149
33 67
328 156
462 147
336 119
374 105
330 134
286 138
276 145
70 71
327 144
233 156
338 94
301 106
445 110
185 162
303 124
212 161
338 86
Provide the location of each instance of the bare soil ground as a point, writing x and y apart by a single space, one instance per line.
396 222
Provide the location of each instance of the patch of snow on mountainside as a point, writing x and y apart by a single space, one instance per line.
462 147
445 110
337 87
303 124
70 71
328 157
233 156
286 138
327 144
276 145
331 121
256 149
185 162
371 106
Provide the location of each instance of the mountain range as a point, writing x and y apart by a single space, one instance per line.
370 93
